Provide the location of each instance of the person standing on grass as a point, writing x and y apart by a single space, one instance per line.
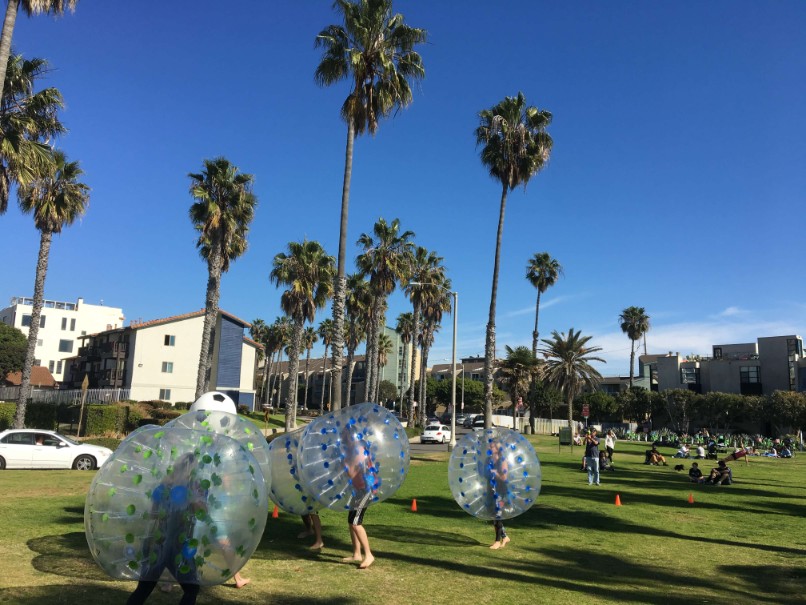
592 456
610 444
313 527
364 483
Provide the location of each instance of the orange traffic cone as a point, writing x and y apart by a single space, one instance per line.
618 500
691 498
414 506
275 513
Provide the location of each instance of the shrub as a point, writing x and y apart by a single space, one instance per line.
243 409
7 411
183 405
101 419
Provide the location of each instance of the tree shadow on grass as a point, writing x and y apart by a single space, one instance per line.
428 537
66 555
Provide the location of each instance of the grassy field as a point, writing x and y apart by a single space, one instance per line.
740 543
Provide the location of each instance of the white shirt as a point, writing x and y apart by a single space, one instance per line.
610 441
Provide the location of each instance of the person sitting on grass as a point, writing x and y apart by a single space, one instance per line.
721 474
656 458
700 452
683 452
695 474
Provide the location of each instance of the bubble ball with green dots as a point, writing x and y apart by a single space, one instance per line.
189 502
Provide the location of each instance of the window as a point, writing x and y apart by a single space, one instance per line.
64 323
690 375
168 367
717 352
26 321
65 346
73 325
51 366
165 394
170 340
59 367
749 375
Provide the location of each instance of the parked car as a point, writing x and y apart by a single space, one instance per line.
468 421
460 419
436 433
34 448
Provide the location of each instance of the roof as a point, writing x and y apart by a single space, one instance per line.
40 377
156 322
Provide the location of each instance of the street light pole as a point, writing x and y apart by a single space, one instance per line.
453 376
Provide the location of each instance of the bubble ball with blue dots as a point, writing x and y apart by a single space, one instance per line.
494 474
353 457
287 490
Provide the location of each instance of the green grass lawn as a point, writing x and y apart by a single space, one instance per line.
744 543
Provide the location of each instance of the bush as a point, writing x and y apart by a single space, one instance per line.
41 416
7 412
243 409
183 405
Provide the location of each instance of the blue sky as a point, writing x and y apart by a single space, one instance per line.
676 182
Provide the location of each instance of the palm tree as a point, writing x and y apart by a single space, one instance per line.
258 331
568 369
438 303
405 328
385 348
28 120
55 199
325 332
30 7
542 272
385 260
309 338
225 205
357 307
515 146
308 272
518 371
279 339
374 51
634 323
425 275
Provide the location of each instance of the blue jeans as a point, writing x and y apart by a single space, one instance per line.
592 462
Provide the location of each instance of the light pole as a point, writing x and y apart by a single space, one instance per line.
455 295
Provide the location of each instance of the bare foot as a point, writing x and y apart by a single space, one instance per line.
495 545
367 562
352 559
504 541
317 545
241 582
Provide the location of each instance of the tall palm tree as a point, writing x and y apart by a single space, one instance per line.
55 199
425 276
357 308
542 272
325 332
385 348
437 304
308 272
28 120
405 328
515 146
258 331
225 205
30 7
518 371
634 323
385 260
309 338
373 49
568 369
281 333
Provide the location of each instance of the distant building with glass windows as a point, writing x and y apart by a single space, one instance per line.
60 327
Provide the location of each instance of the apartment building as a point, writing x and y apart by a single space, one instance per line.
60 327
159 359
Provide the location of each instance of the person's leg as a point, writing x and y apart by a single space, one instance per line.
308 531
610 454
316 524
352 520
595 463
240 581
140 594
363 541
498 526
189 594
589 463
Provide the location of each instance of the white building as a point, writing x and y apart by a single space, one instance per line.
60 326
158 360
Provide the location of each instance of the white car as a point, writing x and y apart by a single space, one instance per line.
436 433
34 448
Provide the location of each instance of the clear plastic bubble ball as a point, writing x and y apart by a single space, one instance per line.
354 457
237 427
192 503
214 401
286 490
494 474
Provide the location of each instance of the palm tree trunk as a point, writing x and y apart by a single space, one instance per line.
632 360
535 333
423 389
210 315
341 279
5 43
370 353
293 379
376 357
489 344
307 363
415 334
45 239
350 369
570 398
324 381
278 377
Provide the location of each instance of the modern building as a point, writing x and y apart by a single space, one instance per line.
773 363
60 326
158 360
